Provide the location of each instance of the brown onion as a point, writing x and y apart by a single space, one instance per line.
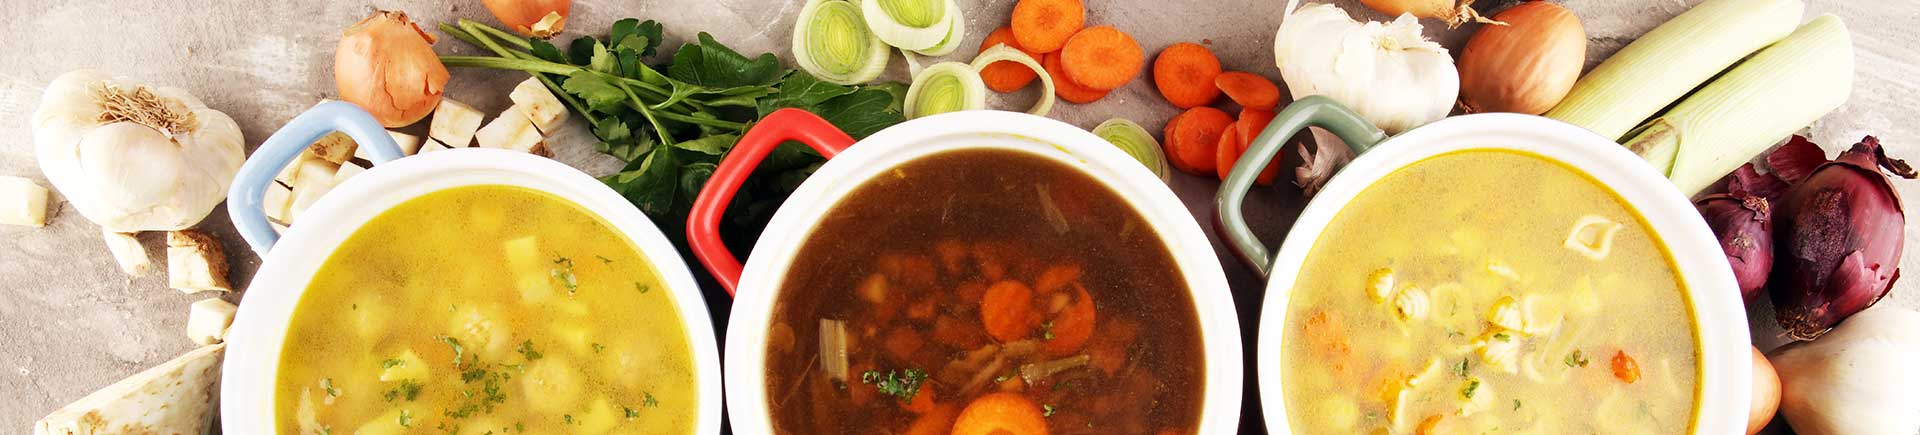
386 65
1454 12
1744 225
1766 394
1526 66
1839 239
536 18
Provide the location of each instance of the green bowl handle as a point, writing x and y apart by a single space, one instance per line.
1312 111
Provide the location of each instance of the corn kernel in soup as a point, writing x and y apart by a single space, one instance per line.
486 309
1488 292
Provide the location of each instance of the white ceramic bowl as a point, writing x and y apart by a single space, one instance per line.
1725 378
253 346
794 223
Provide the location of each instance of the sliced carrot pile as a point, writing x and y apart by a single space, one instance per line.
1101 57
1064 87
1252 122
1070 329
1249 90
1006 76
1007 311
1001 414
1192 138
1185 75
1044 26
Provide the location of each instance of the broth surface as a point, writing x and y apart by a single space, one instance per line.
1480 292
486 309
970 285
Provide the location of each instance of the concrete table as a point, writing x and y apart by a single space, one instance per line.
70 322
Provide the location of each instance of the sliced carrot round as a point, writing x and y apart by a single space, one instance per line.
1227 153
1007 311
1249 90
1064 87
1074 325
1191 139
1043 26
1006 76
1001 414
1252 122
1185 74
1102 57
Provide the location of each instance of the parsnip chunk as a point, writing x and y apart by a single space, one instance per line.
195 262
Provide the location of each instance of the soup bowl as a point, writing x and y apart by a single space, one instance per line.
1715 305
759 282
289 261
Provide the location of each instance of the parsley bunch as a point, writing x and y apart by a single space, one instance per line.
673 120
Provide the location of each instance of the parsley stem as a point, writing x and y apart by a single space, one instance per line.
641 106
710 122
502 35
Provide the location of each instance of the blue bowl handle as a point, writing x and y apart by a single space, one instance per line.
250 185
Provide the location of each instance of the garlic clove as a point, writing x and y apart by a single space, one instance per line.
22 202
128 252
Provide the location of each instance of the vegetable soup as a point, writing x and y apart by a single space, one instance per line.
1489 292
961 293
486 309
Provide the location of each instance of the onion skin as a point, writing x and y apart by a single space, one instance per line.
386 65
1526 66
1839 237
1454 12
1766 394
522 15
1744 225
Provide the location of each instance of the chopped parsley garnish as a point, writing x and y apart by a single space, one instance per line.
458 351
1576 359
1461 368
567 418
649 401
1516 404
1048 410
603 259
408 389
565 274
1502 336
901 384
631 413
1472 385
392 362
643 288
1046 330
406 418
327 384
526 351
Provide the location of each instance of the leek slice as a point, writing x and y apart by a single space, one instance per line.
945 87
831 41
1136 142
1003 53
956 33
909 24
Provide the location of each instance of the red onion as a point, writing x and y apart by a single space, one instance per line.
1744 224
1839 240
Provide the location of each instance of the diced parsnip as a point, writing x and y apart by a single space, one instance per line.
454 123
1671 60
347 170
1778 91
512 130
539 105
335 148
177 396
406 366
208 319
22 202
128 253
389 423
291 173
195 262
551 385
433 145
277 201
316 178
530 268
483 329
409 145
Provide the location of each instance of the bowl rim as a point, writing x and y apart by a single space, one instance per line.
1713 297
249 378
795 222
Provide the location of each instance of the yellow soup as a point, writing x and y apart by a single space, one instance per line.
486 309
1488 292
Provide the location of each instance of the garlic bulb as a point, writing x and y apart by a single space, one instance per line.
1387 72
1858 379
132 157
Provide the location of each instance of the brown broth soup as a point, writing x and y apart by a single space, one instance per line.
961 293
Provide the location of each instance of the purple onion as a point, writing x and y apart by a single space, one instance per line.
1839 240
1744 225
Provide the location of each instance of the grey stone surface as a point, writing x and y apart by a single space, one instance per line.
70 322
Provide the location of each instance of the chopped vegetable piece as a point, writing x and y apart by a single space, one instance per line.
909 24
1102 57
513 130
833 349
1064 87
24 203
1001 414
1007 311
1252 122
539 105
177 396
832 41
1185 73
945 87
1137 142
1073 326
956 33
1191 139
195 262
999 54
1249 90
1226 153
454 123
207 320
1625 368
128 252
1000 76
1045 25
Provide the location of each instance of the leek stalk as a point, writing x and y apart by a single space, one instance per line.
945 87
910 24
1662 66
831 41
1780 90
1136 142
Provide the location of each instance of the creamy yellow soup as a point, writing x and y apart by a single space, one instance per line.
486 309
1484 292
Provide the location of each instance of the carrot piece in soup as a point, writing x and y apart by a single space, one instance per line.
1001 414
1184 73
922 401
1007 311
936 422
1102 57
957 333
1073 326
1064 87
1006 76
902 342
1056 277
1044 26
1192 138
1625 368
1249 90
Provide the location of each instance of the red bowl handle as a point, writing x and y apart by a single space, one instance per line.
703 223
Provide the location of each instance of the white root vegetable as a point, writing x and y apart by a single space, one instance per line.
22 202
1858 379
539 105
175 397
409 145
513 130
195 263
454 123
208 319
128 253
131 157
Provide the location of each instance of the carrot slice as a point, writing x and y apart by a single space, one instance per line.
1102 57
1056 277
1185 74
1064 87
936 422
1252 122
1191 139
1007 311
1006 76
1625 368
923 400
1249 90
1001 414
1043 26
1074 325
1227 153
